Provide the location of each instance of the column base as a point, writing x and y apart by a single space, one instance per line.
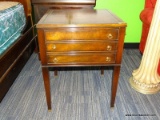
144 89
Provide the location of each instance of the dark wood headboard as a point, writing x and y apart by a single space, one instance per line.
40 7
69 2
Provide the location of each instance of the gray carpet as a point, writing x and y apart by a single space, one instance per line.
78 94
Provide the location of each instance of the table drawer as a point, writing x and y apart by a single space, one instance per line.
81 46
81 58
82 34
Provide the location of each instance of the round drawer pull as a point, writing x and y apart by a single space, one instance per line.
109 48
110 36
108 59
54 47
55 60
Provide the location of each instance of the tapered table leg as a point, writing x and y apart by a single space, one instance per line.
46 80
102 71
55 72
115 78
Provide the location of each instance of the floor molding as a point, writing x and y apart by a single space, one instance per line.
131 45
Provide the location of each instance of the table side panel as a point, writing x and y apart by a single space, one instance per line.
42 46
122 32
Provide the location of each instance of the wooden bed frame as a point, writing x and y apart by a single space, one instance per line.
13 60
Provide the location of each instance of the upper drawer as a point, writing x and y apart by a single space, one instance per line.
81 34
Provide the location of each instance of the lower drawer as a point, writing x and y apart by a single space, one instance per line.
87 58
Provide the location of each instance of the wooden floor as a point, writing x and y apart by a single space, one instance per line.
79 94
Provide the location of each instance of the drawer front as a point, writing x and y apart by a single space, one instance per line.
81 46
82 34
81 58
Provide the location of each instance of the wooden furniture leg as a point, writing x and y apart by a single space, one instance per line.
102 71
115 78
46 80
55 72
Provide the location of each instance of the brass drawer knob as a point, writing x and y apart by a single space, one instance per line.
110 36
108 59
109 48
55 60
54 47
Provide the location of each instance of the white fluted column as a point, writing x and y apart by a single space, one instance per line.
146 79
